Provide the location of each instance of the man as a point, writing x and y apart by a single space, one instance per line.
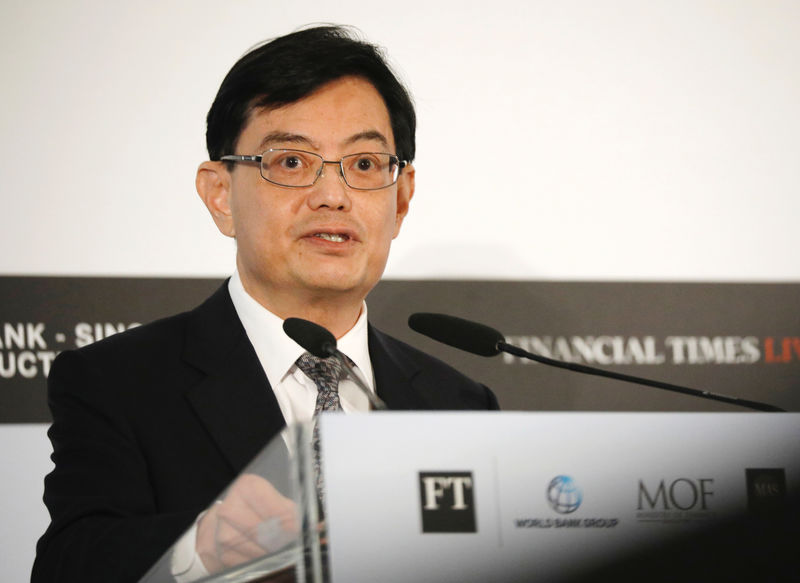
310 139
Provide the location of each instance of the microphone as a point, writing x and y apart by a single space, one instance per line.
321 343
458 333
317 340
485 341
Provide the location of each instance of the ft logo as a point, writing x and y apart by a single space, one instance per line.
447 502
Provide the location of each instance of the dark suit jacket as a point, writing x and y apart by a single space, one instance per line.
151 424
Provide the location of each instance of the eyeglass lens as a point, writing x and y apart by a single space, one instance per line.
367 171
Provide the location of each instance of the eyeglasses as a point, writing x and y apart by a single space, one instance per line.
298 168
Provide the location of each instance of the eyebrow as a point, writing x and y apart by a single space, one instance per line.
368 135
288 137
284 137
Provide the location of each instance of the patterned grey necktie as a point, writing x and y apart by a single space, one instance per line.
326 374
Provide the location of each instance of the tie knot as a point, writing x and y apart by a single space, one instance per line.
325 372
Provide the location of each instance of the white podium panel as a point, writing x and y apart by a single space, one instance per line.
446 497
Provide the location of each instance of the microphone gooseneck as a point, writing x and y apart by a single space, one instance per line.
485 341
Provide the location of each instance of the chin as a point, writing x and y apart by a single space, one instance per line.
339 277
340 283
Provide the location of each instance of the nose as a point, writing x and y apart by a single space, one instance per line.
330 190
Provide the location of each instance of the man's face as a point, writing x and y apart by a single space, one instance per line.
277 229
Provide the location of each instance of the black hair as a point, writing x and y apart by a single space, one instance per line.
289 68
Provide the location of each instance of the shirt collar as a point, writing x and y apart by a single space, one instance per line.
276 351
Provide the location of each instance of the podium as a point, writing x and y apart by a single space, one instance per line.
513 496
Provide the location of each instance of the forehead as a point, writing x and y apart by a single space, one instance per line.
345 111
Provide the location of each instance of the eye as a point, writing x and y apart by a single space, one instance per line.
290 161
364 164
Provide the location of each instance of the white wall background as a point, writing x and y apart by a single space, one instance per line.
574 140
617 140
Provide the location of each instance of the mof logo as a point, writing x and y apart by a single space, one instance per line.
447 500
564 495
675 500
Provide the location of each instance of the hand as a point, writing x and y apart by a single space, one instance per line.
253 520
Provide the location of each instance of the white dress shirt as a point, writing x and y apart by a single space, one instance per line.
295 392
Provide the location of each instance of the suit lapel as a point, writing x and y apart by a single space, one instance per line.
234 400
395 380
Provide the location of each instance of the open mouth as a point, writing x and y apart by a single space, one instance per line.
334 237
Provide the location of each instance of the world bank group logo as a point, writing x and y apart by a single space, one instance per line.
564 495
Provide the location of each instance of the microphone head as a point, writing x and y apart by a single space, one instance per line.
313 337
457 332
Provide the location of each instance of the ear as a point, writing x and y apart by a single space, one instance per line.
213 183
405 192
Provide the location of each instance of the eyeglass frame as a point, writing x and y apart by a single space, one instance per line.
259 157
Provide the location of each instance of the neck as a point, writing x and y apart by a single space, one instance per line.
336 312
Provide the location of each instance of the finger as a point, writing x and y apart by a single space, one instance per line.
245 543
272 536
263 498
231 557
244 540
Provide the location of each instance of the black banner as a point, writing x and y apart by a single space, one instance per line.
741 340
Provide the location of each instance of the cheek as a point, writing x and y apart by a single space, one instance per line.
398 221
256 226
386 226
394 221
